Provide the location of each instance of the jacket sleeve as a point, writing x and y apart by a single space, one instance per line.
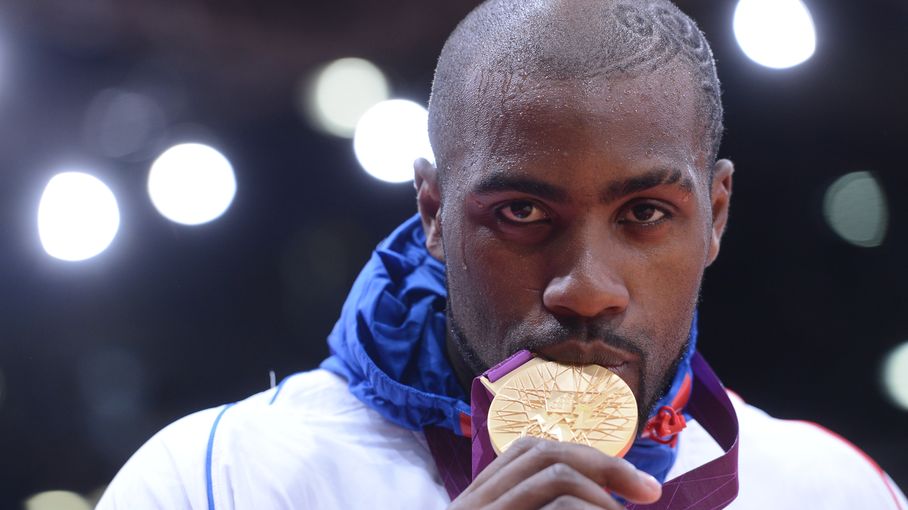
170 471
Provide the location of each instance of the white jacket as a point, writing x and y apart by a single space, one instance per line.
310 444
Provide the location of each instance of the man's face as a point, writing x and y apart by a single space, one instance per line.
577 224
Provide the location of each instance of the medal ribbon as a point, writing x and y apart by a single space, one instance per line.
712 486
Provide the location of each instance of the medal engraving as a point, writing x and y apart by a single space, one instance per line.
585 404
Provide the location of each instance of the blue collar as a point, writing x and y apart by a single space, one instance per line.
389 344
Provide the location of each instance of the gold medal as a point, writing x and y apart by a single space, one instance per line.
585 404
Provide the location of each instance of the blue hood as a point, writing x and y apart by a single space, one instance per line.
389 344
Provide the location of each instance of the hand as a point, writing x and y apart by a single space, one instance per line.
536 473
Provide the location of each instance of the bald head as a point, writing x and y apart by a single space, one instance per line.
508 47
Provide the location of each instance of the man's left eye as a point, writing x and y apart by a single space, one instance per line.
644 213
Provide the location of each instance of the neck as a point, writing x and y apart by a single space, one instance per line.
461 369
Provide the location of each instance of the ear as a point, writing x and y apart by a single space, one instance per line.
428 200
721 198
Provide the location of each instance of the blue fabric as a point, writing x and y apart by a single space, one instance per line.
389 344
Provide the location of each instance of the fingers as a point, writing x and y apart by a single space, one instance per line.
538 472
573 503
558 484
516 449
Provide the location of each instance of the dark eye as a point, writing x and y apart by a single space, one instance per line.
643 213
522 211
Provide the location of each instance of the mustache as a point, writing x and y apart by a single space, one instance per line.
537 336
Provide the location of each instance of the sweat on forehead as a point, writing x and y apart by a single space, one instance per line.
507 47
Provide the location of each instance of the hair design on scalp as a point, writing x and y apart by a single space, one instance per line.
662 35
562 40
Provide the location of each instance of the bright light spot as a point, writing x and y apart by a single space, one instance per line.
341 93
775 33
390 136
895 375
191 184
57 500
855 208
78 216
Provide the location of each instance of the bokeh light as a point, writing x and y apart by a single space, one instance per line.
191 184
895 375
57 500
120 123
390 137
78 216
341 92
855 208
775 33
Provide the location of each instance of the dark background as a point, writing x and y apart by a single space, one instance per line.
97 356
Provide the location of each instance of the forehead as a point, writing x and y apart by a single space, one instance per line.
513 118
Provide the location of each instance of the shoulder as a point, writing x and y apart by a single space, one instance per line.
167 471
287 447
795 464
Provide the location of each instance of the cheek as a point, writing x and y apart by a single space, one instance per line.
664 296
493 289
668 273
502 271
668 282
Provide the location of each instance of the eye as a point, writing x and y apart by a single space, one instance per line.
522 211
643 213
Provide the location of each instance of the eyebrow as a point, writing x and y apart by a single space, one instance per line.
651 179
498 182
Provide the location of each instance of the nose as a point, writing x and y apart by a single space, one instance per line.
591 286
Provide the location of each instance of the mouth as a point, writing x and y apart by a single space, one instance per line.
586 352
623 363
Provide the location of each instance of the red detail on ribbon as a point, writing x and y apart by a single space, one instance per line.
466 428
665 426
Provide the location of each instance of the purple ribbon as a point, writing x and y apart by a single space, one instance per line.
712 486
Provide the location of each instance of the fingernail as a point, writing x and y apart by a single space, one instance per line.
649 481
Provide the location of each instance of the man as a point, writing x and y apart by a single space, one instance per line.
576 203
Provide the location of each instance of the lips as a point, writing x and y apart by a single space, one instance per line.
600 353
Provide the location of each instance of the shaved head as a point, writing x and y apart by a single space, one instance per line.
506 48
